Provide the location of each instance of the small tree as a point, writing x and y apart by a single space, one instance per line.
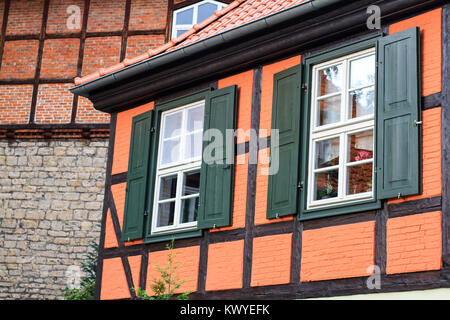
87 283
164 287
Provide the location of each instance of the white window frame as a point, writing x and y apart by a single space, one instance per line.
176 28
178 168
342 130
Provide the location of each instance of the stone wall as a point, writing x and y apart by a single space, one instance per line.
51 197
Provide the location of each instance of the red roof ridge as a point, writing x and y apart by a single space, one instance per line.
153 52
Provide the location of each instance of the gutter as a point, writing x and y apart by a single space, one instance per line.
195 48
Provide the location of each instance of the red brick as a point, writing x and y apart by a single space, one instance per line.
148 14
87 114
100 53
19 59
60 58
137 45
15 102
58 16
54 103
25 17
106 15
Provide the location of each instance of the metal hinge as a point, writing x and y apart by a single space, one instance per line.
152 130
416 123
300 185
145 213
305 86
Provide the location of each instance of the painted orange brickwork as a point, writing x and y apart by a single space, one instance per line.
225 265
431 156
114 282
19 59
110 234
135 267
123 136
414 243
148 14
15 103
268 71
54 103
271 263
244 81
60 58
106 15
187 260
262 185
337 252
25 17
430 24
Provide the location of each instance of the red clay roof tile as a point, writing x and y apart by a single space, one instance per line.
235 14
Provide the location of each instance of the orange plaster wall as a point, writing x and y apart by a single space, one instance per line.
225 265
271 263
244 81
187 260
430 24
414 243
123 136
338 252
114 282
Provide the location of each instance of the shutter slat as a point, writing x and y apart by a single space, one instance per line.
398 138
217 177
282 189
137 177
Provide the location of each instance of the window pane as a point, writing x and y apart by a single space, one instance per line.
195 119
327 153
359 178
330 80
168 187
193 147
171 151
329 110
189 210
362 71
172 125
191 183
362 102
166 213
180 32
326 185
185 16
205 11
360 146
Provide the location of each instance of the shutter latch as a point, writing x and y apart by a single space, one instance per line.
152 130
416 123
145 213
300 185
305 86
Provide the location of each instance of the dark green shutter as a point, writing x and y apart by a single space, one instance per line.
137 177
398 134
283 186
216 185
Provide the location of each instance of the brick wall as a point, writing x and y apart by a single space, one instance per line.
69 49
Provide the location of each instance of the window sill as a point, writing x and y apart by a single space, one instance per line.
340 209
176 235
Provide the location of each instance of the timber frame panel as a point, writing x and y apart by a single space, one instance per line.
297 289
